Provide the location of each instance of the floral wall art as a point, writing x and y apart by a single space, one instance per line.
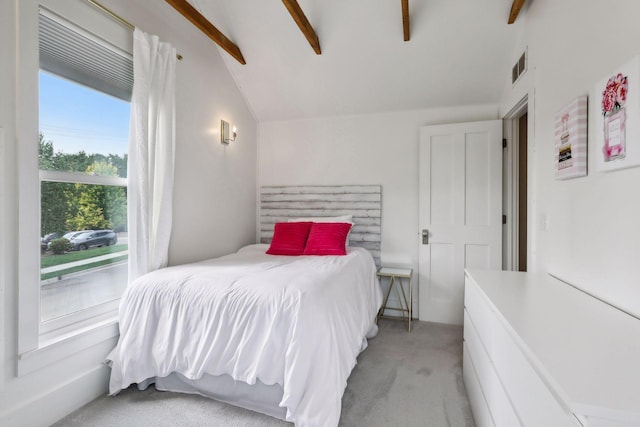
617 123
614 100
570 138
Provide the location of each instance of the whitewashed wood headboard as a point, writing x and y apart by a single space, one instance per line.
364 202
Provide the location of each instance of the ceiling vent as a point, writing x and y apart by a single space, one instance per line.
519 68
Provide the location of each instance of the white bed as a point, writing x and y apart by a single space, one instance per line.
276 334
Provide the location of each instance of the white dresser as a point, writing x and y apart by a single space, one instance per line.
538 352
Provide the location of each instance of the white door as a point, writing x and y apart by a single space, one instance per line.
461 207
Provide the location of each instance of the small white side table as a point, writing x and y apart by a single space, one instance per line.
395 276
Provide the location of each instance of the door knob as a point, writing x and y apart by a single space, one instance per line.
425 237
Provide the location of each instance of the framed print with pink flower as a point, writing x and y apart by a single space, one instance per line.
570 136
617 124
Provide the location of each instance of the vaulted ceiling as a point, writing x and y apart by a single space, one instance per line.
459 53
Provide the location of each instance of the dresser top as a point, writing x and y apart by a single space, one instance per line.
585 349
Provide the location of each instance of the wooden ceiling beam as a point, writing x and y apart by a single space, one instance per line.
405 19
515 10
303 23
207 27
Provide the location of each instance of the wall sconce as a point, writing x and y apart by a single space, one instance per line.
225 135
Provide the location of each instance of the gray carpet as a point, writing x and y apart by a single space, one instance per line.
402 379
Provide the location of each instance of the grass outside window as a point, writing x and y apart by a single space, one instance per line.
51 260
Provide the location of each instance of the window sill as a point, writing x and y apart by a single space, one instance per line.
59 347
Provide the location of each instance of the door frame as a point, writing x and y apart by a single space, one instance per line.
510 193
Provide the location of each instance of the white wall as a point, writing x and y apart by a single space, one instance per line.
366 149
214 203
592 236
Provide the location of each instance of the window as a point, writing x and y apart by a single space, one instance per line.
84 91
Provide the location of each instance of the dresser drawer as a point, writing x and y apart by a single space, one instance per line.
480 313
501 410
534 402
478 403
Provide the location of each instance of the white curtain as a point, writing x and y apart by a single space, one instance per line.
151 154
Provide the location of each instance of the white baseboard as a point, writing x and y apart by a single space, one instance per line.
46 409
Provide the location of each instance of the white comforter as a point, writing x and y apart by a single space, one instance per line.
296 321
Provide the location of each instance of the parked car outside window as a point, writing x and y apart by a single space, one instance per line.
94 238
73 234
44 242
69 236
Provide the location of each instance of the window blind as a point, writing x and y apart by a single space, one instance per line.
78 55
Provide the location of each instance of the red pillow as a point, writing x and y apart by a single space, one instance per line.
289 238
327 238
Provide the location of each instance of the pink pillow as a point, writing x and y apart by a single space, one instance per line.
289 238
327 238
